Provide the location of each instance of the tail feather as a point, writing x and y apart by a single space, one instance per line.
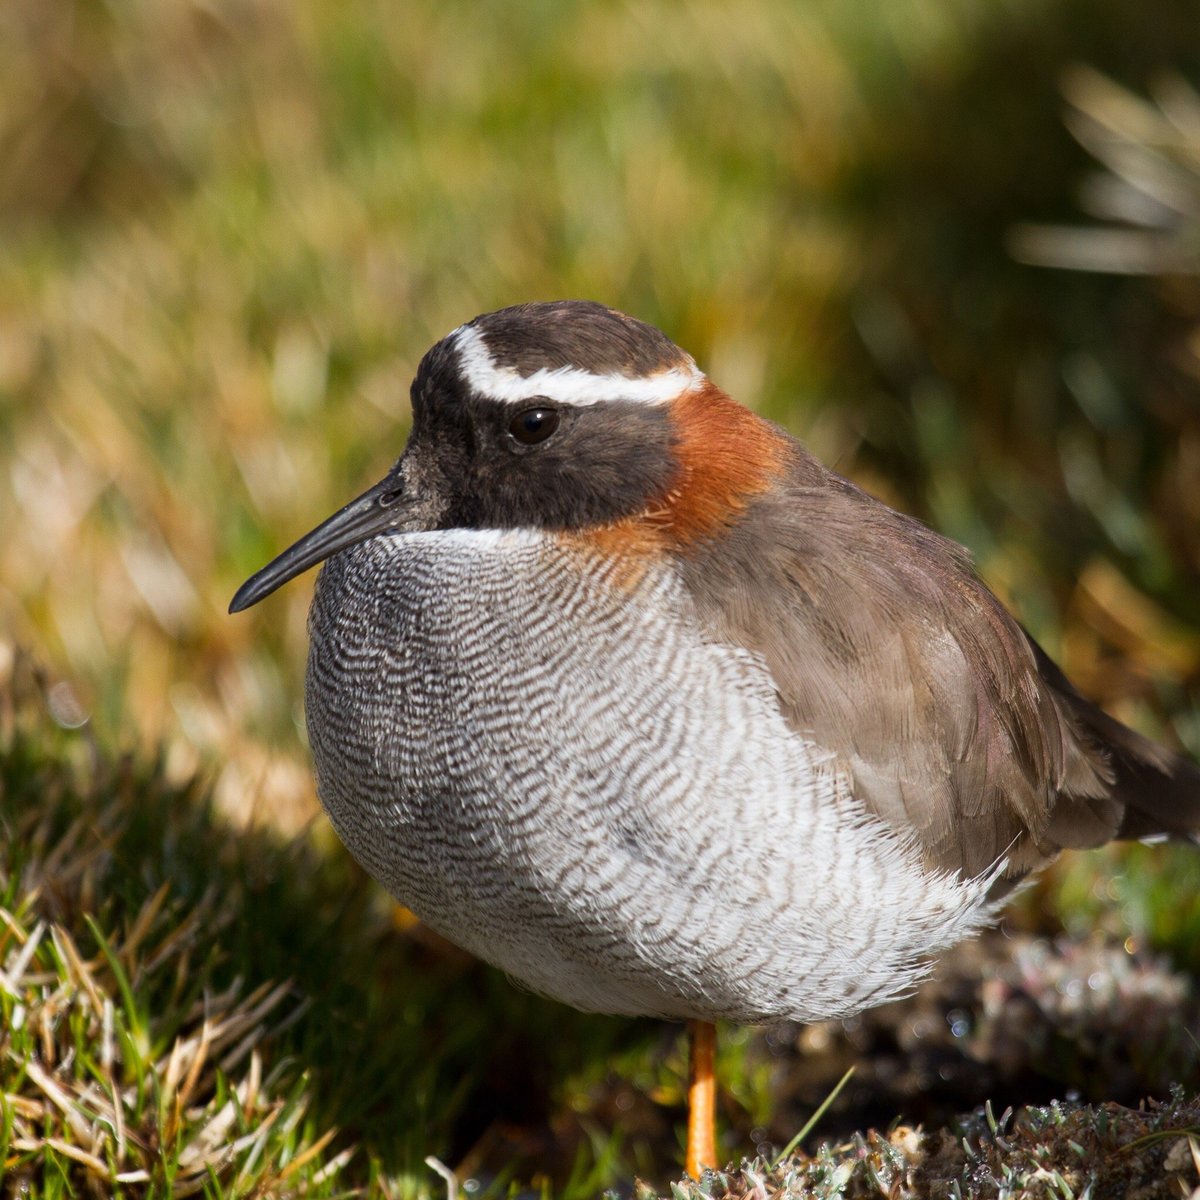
1158 790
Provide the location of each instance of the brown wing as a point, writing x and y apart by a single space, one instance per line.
887 649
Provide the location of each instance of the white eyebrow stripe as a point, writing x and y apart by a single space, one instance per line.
565 385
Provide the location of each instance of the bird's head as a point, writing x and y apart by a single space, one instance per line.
569 417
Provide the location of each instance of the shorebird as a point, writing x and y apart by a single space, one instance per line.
612 683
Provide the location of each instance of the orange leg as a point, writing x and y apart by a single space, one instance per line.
702 1098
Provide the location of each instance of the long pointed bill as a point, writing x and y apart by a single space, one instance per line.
377 510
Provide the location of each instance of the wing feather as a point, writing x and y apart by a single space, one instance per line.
886 648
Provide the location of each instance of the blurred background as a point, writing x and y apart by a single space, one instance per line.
952 244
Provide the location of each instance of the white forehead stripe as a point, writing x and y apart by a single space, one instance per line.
565 385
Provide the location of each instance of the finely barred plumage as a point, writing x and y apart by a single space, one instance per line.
561 776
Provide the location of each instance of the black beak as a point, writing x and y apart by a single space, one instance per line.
375 511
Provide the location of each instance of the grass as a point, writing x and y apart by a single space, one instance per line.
128 1063
1056 1152
188 1006
191 1009
234 229
231 229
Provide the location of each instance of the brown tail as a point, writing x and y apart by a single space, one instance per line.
1158 789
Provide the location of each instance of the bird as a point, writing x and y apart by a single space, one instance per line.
615 685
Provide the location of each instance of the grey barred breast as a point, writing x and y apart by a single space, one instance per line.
539 753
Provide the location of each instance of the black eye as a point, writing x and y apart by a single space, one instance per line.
533 425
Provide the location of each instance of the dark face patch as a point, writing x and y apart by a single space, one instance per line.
603 462
576 333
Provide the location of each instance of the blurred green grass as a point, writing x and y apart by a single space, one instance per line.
231 227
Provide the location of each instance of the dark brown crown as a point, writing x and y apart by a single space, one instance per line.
576 333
